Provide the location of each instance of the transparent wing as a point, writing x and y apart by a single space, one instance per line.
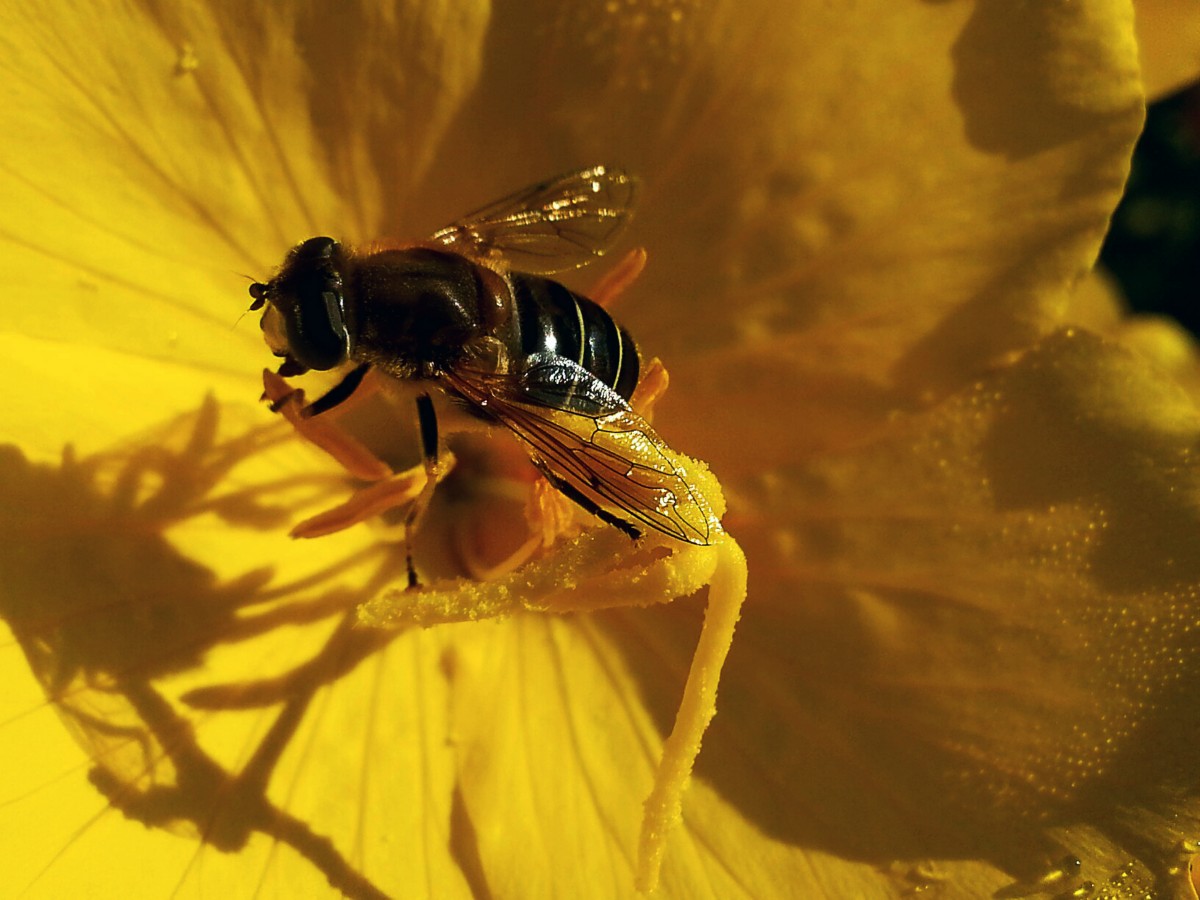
581 432
549 227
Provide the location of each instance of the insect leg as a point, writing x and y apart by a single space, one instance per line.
354 456
339 393
603 515
387 490
427 420
335 396
366 503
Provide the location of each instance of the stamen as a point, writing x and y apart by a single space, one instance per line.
662 808
595 582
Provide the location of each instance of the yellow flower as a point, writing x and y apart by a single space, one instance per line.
971 530
1169 38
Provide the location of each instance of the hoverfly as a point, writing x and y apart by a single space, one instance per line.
470 312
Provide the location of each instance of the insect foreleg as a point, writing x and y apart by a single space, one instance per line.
339 393
352 454
387 489
427 420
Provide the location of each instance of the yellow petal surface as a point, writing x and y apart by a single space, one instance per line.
851 213
146 172
208 666
1168 35
1098 305
847 208
980 621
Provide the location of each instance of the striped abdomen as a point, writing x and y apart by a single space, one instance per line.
551 318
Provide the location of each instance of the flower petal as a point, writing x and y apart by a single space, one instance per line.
978 621
848 208
1169 40
92 398
143 170
848 282
555 809
1097 305
209 667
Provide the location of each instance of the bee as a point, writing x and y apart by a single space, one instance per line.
471 312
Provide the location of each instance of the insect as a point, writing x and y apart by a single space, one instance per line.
471 313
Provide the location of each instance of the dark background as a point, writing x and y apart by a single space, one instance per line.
1153 248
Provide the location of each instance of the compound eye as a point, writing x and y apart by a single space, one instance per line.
316 249
308 295
316 329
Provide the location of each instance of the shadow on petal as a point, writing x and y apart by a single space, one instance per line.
971 638
1024 118
121 628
